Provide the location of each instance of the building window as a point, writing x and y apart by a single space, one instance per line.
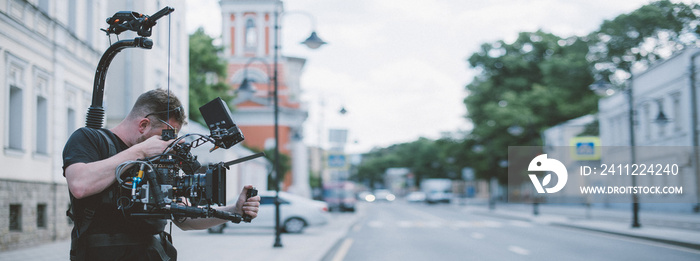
662 127
42 111
251 35
89 21
646 112
16 10
15 105
71 114
41 129
677 117
70 122
44 6
41 216
72 16
15 217
177 42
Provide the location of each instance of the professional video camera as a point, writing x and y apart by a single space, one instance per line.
154 187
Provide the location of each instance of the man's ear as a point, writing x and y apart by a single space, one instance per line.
143 125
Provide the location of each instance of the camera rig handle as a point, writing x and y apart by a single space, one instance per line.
120 22
175 210
249 194
133 21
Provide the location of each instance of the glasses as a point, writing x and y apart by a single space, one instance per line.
170 126
174 112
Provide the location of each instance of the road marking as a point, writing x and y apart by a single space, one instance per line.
455 225
375 224
518 223
518 250
461 224
343 250
487 223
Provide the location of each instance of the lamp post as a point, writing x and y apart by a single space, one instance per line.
313 42
602 86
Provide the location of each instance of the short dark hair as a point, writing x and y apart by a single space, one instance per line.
160 103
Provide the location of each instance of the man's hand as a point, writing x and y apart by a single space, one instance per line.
247 206
152 146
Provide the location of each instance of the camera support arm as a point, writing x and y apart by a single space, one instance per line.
96 112
120 22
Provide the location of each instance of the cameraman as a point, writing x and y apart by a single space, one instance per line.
101 231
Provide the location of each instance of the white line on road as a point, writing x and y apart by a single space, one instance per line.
519 250
343 250
375 223
518 223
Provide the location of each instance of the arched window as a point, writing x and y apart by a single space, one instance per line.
251 35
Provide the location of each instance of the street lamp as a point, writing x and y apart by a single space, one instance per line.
602 86
246 89
313 42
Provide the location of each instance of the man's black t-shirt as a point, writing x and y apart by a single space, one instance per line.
88 145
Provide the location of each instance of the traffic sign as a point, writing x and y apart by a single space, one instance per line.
585 148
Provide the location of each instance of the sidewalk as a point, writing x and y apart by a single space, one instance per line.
679 229
257 244
233 244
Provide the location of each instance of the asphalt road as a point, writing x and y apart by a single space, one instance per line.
403 231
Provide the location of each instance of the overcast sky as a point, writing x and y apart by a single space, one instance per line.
399 67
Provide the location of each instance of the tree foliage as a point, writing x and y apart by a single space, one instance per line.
536 82
424 157
642 37
285 165
541 80
207 70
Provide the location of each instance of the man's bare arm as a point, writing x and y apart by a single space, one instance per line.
87 179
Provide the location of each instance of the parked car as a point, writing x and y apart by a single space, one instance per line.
416 196
296 213
366 196
384 195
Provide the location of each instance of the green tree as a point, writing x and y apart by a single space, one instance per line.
284 167
536 82
424 157
642 37
207 70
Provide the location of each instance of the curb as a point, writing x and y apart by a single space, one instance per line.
655 239
690 245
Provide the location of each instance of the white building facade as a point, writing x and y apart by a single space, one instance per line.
49 51
664 88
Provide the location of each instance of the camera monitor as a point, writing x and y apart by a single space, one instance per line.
218 118
217 115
